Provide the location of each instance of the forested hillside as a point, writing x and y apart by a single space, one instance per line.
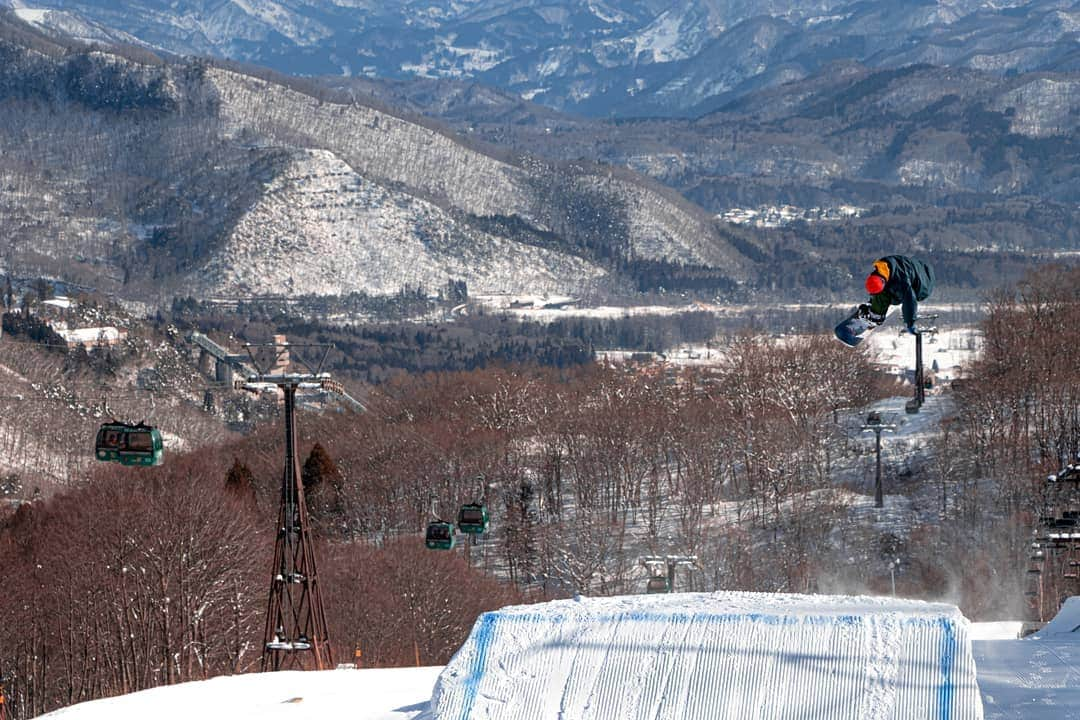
970 169
147 177
584 470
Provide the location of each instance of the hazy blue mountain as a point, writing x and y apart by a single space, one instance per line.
599 57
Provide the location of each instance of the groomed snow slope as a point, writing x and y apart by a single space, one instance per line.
1066 622
712 655
1037 677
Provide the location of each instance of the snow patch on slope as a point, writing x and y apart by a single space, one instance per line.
660 42
66 23
379 145
321 228
1043 107
662 229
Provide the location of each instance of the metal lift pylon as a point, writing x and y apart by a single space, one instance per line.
296 635
915 404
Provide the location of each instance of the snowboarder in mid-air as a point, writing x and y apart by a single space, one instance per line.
894 280
898 280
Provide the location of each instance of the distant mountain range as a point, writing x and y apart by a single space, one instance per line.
151 178
605 58
921 132
928 160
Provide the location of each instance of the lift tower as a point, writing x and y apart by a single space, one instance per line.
296 636
915 404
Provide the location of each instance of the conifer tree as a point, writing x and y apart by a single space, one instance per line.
322 486
240 482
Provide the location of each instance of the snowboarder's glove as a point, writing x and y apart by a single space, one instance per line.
867 313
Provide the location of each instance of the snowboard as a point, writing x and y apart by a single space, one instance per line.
853 328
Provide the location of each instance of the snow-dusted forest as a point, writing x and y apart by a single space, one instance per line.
753 464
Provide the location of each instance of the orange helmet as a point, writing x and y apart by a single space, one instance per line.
875 281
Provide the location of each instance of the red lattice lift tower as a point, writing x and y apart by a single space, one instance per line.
296 636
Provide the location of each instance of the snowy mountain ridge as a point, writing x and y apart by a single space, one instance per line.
628 57
165 176
387 149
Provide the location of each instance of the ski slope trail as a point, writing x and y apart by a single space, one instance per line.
714 655
1036 678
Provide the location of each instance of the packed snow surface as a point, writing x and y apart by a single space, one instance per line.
1031 679
709 655
380 694
1037 678
1066 622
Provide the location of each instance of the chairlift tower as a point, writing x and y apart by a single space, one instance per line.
296 635
915 404
875 424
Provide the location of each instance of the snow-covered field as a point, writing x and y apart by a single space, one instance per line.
946 354
946 351
1035 678
709 655
394 694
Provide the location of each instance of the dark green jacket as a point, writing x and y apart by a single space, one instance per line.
910 281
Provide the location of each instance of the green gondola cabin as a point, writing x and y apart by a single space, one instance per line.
473 519
440 536
129 444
